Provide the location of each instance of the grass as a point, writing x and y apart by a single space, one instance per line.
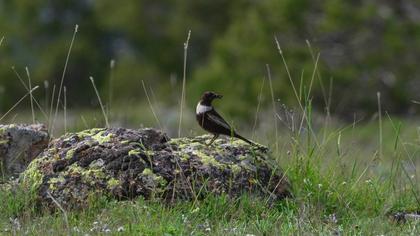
340 186
346 179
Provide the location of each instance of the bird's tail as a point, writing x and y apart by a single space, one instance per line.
244 139
260 147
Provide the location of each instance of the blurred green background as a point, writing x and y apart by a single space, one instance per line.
364 46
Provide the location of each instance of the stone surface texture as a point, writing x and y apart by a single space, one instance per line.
19 145
125 164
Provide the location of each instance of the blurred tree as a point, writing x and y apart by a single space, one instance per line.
39 37
365 46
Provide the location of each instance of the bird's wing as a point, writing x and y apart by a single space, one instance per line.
218 119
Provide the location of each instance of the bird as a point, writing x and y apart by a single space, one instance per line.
211 121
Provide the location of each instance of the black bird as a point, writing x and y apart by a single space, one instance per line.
211 121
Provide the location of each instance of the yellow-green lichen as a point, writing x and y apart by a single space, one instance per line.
93 174
156 178
101 138
95 134
74 169
236 169
70 154
147 171
242 157
208 160
187 142
197 147
32 177
54 181
184 156
89 132
4 141
113 182
238 142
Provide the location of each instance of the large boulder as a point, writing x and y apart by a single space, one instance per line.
124 164
19 145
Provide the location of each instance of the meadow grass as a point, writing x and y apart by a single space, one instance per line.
340 185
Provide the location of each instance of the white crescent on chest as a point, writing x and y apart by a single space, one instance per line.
202 109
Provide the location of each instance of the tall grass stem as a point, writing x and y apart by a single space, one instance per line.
30 94
51 110
18 102
27 89
100 101
181 110
151 105
254 127
378 94
65 109
76 27
111 84
66 220
273 104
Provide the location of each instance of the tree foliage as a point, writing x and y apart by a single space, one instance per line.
365 47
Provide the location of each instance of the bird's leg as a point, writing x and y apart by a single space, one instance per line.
212 140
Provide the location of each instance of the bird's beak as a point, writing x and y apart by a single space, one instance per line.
219 96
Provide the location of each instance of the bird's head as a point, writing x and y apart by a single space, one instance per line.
208 97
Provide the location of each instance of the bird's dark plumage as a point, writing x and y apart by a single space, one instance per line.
211 121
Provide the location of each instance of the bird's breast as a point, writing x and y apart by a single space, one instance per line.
201 109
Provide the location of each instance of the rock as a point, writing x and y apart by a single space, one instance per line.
403 217
19 145
124 164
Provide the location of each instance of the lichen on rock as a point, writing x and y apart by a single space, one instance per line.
124 164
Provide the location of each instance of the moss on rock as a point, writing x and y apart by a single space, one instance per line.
124 164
